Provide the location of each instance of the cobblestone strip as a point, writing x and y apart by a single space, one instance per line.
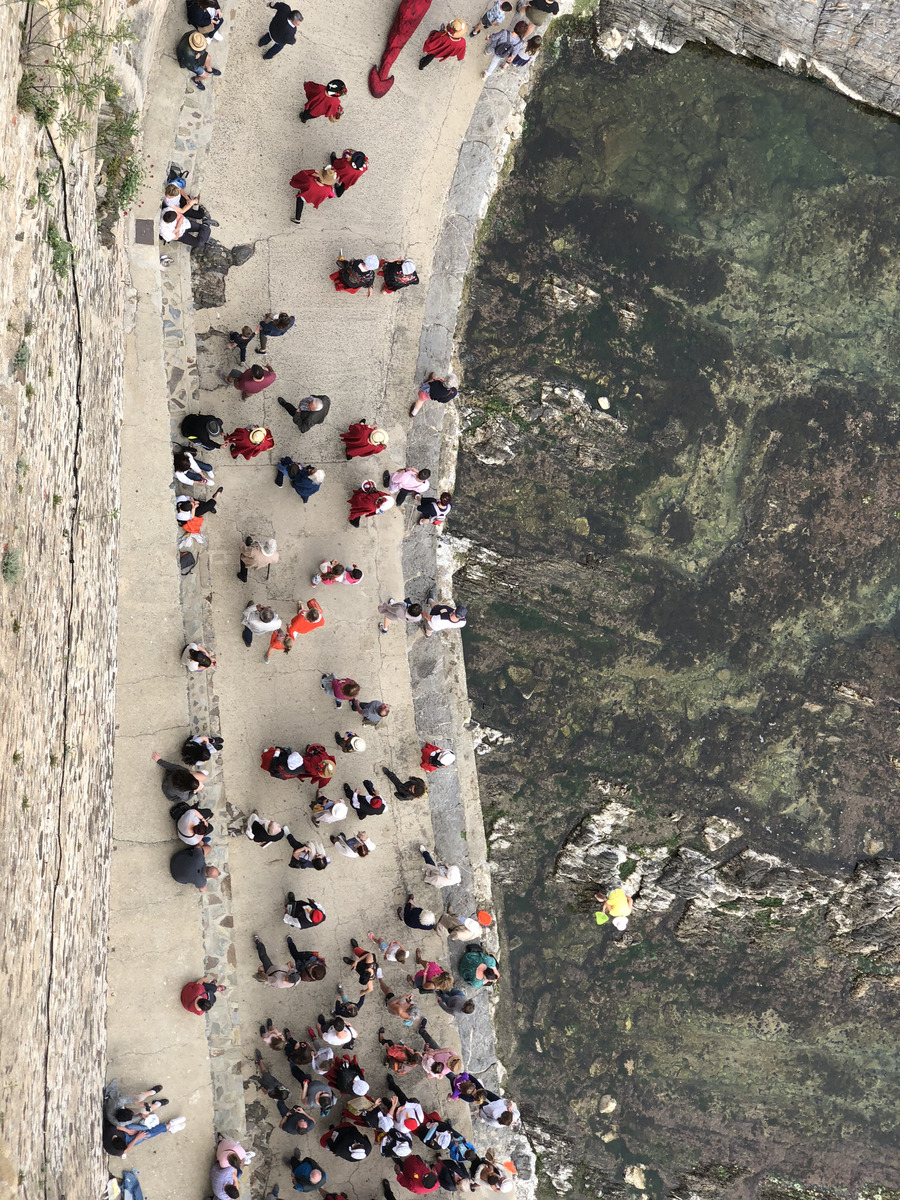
190 144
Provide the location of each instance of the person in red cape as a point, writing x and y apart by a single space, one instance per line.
361 440
355 273
406 21
447 42
247 443
314 187
281 762
349 168
318 766
434 757
367 501
323 100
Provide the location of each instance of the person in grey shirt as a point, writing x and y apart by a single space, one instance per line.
455 1002
371 711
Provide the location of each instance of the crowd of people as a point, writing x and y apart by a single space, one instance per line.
329 1093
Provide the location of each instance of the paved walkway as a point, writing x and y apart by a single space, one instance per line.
363 353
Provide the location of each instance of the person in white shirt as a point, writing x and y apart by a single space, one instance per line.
327 810
336 1031
443 616
439 874
499 1114
257 618
356 846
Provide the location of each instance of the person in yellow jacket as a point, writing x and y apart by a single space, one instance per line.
616 905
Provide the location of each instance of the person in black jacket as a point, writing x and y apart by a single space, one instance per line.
347 1142
310 411
205 18
282 29
202 428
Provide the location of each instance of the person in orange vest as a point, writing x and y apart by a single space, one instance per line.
447 42
323 100
314 187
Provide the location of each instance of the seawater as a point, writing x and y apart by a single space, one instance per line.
711 245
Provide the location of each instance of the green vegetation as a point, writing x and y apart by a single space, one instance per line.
63 251
12 565
123 166
22 357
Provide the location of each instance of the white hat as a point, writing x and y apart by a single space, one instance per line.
446 758
318 476
371 261
402 1149
360 1087
385 503
506 1185
358 744
294 760
357 1153
408 267
620 922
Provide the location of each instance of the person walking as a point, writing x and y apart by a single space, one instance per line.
404 1007
443 616
273 325
202 429
495 15
447 42
414 917
398 610
435 511
305 480
362 440
371 711
349 168
433 757
266 1081
252 381
309 963
318 765
349 742
193 55
302 914
392 950
257 618
200 995
367 501
526 55
397 274
282 29
281 762
339 689
323 100
336 1032
268 973
503 47
197 658
310 411
247 443
241 340
358 845
355 273
306 620
406 482
312 187
365 800
413 788
331 571
255 555
189 866
440 390
437 1062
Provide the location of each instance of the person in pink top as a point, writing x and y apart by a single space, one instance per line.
254 379
406 482
437 1062
228 1149
432 977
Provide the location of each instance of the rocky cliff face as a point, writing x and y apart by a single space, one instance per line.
851 46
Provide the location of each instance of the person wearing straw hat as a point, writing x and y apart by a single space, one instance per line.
349 168
193 55
318 765
312 187
447 42
355 273
349 742
397 274
361 440
247 443
323 100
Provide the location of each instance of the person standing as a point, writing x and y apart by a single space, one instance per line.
495 15
358 845
437 389
371 711
349 742
282 29
406 482
248 443
323 100
193 56
273 326
444 616
339 689
202 429
398 274
305 480
539 12
413 788
527 53
362 440
241 340
415 1175
308 1176
331 571
255 555
257 618
439 875
310 411
367 501
349 168
307 619
503 46
197 658
252 381
398 610
447 42
355 273
435 511
318 766
312 187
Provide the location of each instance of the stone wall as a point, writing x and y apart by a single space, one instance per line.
60 397
850 45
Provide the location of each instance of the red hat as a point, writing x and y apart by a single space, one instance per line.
317 916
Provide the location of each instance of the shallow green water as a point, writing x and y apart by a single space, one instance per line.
681 589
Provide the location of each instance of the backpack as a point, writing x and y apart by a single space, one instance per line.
186 562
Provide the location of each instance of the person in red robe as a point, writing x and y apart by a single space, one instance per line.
349 168
361 440
447 42
434 757
247 443
367 501
281 762
323 100
318 766
355 273
312 186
